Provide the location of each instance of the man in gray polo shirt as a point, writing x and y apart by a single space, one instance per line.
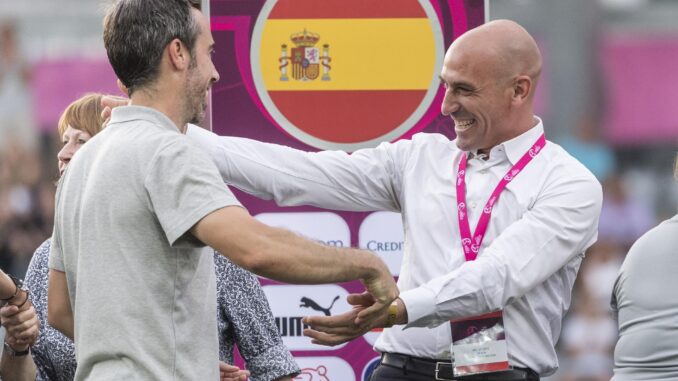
129 280
645 304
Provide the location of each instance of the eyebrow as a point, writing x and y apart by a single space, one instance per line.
457 83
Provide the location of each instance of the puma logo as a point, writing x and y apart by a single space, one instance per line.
310 303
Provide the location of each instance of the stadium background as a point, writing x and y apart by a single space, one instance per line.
607 95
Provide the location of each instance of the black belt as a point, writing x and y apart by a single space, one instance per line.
443 370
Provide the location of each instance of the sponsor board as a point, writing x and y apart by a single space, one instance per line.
290 303
323 227
369 368
382 233
324 369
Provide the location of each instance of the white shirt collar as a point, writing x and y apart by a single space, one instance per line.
515 148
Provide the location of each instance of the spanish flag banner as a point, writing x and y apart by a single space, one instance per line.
346 74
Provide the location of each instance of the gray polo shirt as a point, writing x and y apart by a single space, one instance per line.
141 286
646 303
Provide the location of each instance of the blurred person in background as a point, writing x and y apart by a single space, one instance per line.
244 316
623 217
645 303
588 339
16 118
23 331
599 271
24 220
587 146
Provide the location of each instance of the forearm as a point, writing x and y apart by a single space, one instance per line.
7 287
20 368
282 255
59 313
329 179
64 325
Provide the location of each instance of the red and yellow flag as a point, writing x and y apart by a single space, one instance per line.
346 73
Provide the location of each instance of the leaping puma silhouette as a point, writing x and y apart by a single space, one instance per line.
310 303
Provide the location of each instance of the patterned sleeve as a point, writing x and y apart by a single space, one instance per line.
246 319
53 353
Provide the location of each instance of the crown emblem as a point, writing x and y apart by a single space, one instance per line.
307 60
305 38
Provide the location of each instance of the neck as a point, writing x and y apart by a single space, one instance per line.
163 100
523 125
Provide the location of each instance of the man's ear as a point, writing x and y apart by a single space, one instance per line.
522 88
179 56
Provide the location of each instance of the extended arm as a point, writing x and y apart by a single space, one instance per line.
279 254
560 226
547 238
366 180
59 313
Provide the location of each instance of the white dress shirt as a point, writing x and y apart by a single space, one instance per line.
541 225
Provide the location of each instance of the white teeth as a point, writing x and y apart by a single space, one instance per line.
464 123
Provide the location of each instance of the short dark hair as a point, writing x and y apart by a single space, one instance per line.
136 33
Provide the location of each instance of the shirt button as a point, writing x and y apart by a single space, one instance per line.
473 205
482 171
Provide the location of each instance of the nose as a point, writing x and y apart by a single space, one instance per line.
215 74
450 104
66 153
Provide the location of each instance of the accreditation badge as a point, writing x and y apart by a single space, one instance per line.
479 344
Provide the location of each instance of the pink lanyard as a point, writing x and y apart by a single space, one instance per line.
472 246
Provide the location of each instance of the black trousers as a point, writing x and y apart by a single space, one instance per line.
397 367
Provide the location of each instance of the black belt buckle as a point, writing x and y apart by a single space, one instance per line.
438 378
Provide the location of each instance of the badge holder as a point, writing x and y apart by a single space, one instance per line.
479 345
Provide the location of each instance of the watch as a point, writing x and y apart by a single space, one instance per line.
13 353
19 284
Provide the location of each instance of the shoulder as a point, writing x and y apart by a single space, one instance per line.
176 148
423 138
419 144
39 261
43 250
652 247
563 167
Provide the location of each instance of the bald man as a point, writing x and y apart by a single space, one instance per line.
496 221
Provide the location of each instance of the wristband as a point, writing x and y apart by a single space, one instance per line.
392 315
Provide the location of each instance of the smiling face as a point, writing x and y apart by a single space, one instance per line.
201 73
489 74
477 98
72 140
